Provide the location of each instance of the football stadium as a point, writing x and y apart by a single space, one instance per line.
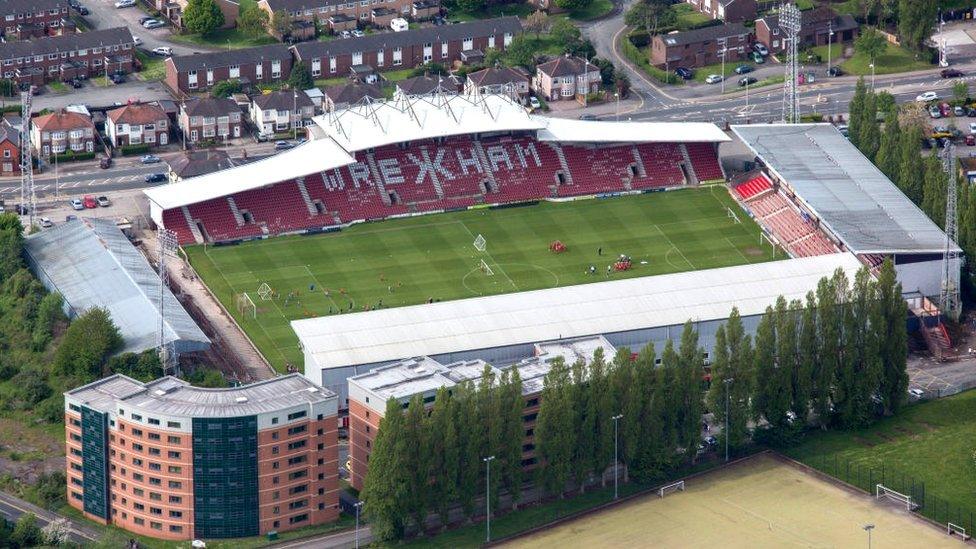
461 227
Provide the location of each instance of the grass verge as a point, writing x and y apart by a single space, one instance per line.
224 38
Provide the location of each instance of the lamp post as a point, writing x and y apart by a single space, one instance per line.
727 382
616 469
724 52
868 528
872 76
487 461
616 114
294 113
830 43
358 505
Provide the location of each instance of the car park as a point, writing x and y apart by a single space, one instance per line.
155 177
747 81
535 103
163 51
149 159
743 69
760 48
950 73
125 3
926 96
103 201
76 204
89 202
283 146
45 222
713 79
684 73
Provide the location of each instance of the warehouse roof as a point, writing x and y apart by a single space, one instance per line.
851 196
92 264
557 313
174 397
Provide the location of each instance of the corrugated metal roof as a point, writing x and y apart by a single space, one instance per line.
568 130
557 313
844 189
92 264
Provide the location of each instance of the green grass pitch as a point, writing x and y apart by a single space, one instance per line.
409 261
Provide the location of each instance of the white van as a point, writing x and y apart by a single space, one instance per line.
399 24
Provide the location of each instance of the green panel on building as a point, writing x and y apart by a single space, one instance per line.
94 446
225 477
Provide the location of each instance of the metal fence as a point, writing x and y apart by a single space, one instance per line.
867 477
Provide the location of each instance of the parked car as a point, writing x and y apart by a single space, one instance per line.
935 112
117 78
587 117
103 201
835 71
711 441
345 34
89 202
535 103
75 83
125 3
105 162
283 146
82 10
915 392
684 73
971 140
146 18
972 128
358 33
77 204
951 73
153 24
946 109
45 222
760 48
713 79
149 159
958 111
136 40
757 58
155 177
844 130
926 96
747 81
163 51
743 69
971 112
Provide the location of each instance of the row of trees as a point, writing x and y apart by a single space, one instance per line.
836 359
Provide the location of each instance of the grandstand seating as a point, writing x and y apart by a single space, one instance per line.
775 212
454 172
754 186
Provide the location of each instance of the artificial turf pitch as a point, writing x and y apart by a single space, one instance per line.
413 260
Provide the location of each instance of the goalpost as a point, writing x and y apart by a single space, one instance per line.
480 243
732 215
673 487
954 529
881 491
245 304
485 268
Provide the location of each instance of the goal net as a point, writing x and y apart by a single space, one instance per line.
673 487
887 493
246 306
265 292
485 268
956 530
480 243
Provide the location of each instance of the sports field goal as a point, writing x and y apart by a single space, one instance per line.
480 243
880 491
485 268
956 530
732 215
246 306
265 292
673 487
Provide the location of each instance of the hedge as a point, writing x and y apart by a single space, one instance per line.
72 157
639 38
134 149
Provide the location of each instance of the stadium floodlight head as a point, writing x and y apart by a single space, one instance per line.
790 22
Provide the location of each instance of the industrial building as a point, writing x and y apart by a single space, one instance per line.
171 461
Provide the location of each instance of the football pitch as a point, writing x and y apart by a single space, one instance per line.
415 260
760 502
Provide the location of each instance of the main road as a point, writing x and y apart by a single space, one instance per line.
12 508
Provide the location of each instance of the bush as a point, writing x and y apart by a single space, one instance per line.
637 57
130 150
639 38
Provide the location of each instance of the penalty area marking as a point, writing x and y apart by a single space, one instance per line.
464 278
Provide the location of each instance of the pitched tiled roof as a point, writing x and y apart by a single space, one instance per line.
66 43
567 66
210 107
282 100
136 113
226 58
419 85
818 17
62 120
9 131
704 34
33 6
195 163
497 76
413 37
352 92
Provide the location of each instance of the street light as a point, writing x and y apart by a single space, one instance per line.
294 123
868 528
872 76
616 115
358 505
830 44
487 461
727 382
723 52
616 467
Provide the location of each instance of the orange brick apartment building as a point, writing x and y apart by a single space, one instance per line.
171 461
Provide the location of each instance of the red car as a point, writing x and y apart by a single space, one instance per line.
946 110
89 202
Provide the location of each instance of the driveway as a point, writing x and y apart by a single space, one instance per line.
104 15
103 95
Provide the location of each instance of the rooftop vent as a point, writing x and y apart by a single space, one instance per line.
240 399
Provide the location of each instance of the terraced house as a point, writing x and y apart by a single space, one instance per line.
171 461
250 66
61 58
338 15
24 19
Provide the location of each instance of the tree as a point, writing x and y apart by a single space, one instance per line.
555 438
584 422
934 189
144 366
650 16
855 111
691 358
960 92
809 355
443 463
489 422
11 245
511 406
413 449
226 88
87 344
281 23
885 102
859 375
869 137
385 487
915 20
26 532
910 168
888 153
253 21
206 377
565 33
889 325
572 4
429 69
520 53
469 447
202 16
538 22
300 77
56 532
772 399
621 82
871 43
50 317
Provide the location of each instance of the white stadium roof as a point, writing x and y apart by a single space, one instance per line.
567 312
313 156
851 196
568 130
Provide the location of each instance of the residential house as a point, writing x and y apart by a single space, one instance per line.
10 147
250 66
23 19
730 11
62 131
566 77
200 162
136 124
281 111
173 11
426 84
343 95
210 119
61 58
498 80
700 47
403 50
339 15
815 28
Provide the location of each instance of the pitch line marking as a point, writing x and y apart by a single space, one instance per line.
692 265
322 288
742 255
512 282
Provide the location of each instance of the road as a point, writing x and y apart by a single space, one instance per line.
12 508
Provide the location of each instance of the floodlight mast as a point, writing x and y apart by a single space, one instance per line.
790 23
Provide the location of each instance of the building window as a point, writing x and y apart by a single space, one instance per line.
296 415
